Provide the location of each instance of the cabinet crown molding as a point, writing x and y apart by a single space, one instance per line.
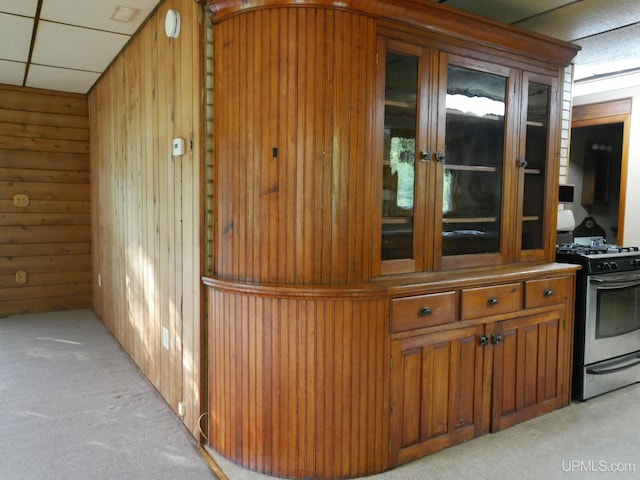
427 15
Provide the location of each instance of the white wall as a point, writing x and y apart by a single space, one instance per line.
616 89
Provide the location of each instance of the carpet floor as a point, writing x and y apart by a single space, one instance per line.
73 406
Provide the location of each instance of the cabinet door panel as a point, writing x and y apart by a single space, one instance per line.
437 392
530 374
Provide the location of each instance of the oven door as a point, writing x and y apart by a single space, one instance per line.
612 320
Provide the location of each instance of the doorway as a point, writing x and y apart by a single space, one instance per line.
598 165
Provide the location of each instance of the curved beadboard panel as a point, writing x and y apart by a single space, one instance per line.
299 384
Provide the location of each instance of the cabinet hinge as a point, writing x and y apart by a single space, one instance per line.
377 58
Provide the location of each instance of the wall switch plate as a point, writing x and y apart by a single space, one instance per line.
178 147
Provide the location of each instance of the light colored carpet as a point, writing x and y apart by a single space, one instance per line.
73 406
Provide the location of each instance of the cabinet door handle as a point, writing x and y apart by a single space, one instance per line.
425 311
547 293
484 340
425 155
493 301
497 339
440 156
522 163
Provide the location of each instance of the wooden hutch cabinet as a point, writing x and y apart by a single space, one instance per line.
386 177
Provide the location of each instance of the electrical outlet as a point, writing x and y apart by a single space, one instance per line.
21 277
21 200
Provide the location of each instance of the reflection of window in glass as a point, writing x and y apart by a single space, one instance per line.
478 106
447 192
402 159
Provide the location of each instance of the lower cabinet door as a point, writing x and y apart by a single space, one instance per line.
530 367
438 391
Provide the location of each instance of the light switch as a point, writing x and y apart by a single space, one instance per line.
21 277
178 147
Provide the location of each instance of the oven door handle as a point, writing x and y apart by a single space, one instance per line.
616 281
605 371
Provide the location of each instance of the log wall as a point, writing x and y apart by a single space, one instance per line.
45 245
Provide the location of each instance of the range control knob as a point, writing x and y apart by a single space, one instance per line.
635 263
614 266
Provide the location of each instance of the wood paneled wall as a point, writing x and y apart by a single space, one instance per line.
293 90
147 204
299 380
44 154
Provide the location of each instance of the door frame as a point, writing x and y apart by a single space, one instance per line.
604 113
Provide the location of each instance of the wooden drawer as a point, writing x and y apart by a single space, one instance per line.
422 311
486 301
547 291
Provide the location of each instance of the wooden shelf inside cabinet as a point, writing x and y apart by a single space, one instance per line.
395 103
532 171
470 220
470 168
396 220
535 124
531 218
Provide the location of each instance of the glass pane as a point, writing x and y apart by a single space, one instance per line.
536 158
398 165
618 312
472 190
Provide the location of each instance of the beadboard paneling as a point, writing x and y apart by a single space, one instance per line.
295 88
299 382
147 204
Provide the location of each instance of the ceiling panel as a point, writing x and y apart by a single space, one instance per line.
20 7
98 14
15 37
61 79
12 73
585 18
603 54
75 47
507 11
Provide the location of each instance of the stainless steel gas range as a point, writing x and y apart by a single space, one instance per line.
607 315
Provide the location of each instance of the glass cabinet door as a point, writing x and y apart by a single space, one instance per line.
399 155
404 71
535 150
475 121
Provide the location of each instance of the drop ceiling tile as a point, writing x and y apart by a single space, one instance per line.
585 18
61 79
74 47
98 14
602 54
15 37
19 7
12 73
507 11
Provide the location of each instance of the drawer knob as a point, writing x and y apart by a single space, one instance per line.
492 301
497 339
424 311
547 293
484 340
